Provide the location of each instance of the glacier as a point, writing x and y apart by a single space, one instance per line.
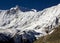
29 25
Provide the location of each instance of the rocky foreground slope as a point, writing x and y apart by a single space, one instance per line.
52 38
17 26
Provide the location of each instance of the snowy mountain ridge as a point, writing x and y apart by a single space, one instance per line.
30 24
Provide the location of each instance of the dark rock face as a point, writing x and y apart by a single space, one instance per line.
26 37
19 39
56 20
5 39
16 39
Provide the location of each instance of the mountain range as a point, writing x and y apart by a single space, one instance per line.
21 25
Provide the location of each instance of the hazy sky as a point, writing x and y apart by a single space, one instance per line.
36 4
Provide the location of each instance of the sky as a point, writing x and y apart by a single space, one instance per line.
30 4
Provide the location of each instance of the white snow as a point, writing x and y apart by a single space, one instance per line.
26 21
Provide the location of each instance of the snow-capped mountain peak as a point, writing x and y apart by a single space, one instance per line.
30 24
16 7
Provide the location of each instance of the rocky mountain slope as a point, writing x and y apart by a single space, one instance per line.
52 38
28 25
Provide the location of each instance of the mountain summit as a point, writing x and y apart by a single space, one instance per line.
28 25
